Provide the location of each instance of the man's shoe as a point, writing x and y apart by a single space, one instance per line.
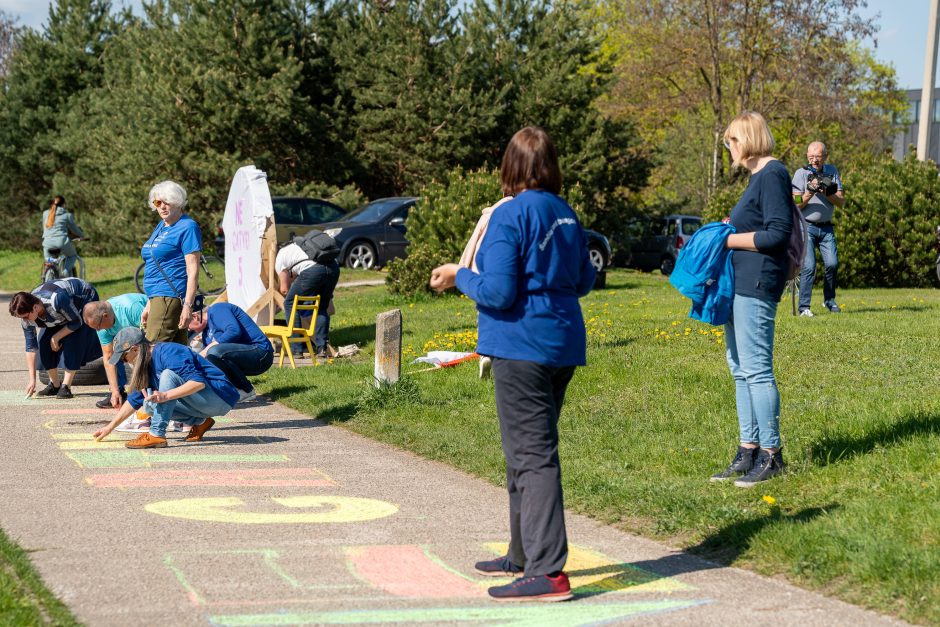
322 354
104 403
49 390
64 392
499 567
806 313
134 425
244 397
541 588
742 463
145 440
765 466
196 433
833 307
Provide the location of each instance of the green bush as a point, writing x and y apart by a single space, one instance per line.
885 231
440 225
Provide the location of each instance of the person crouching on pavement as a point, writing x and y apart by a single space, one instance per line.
234 344
174 383
107 318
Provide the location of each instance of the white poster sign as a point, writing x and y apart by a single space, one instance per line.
246 213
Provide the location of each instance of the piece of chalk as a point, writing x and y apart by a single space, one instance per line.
28 396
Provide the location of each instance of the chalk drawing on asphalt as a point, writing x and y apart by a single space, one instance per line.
325 509
249 477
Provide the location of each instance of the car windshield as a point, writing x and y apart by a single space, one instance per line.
374 211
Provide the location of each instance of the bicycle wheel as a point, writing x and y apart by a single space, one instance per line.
139 278
49 276
212 277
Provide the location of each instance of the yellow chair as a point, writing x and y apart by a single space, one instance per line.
301 303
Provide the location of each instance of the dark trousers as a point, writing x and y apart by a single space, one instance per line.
78 348
318 280
529 397
238 360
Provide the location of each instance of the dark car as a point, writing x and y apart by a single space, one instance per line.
599 249
655 242
294 215
372 235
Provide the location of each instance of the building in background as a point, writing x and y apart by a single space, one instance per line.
905 140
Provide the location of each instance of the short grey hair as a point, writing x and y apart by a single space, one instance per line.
170 192
94 313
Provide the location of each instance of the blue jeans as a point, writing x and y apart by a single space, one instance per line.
749 336
191 410
238 360
824 238
319 280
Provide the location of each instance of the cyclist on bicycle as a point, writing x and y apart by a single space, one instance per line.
58 228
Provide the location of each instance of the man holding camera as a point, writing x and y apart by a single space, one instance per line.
817 191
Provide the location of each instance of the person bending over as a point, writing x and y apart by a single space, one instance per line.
234 344
107 318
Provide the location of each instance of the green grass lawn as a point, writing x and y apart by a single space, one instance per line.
857 515
24 600
648 421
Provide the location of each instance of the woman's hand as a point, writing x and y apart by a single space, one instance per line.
101 433
156 397
55 344
185 315
444 277
144 314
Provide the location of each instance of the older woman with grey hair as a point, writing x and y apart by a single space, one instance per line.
171 255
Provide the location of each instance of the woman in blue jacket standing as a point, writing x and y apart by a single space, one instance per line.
533 266
763 219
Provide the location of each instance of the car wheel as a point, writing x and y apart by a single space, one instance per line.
361 255
667 265
597 258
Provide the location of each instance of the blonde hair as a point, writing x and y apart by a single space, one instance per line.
752 135
58 201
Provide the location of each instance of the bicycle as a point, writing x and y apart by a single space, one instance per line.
54 267
211 285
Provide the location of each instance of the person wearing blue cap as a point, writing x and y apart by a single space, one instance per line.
171 382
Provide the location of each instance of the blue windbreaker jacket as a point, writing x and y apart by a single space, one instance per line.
704 273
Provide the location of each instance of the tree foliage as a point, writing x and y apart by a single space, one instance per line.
685 68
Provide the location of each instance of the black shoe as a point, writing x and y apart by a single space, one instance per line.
766 466
49 390
64 392
499 567
833 307
105 403
322 354
742 463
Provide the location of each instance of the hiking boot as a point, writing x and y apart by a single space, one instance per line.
743 461
196 433
833 307
64 392
145 440
541 588
806 313
49 390
766 466
499 567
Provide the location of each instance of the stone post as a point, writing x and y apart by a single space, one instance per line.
388 347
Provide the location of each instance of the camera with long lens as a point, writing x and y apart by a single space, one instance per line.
819 182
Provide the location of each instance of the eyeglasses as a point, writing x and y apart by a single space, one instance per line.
157 203
727 142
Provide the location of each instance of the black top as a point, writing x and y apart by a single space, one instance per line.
766 209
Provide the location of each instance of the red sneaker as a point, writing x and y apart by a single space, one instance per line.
541 588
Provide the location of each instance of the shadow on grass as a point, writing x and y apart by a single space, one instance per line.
835 448
728 543
914 308
359 334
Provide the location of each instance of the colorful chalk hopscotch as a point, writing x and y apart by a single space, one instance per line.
431 583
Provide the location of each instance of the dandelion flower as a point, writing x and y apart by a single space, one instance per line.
769 500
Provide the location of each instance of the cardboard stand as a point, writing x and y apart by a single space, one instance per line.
268 304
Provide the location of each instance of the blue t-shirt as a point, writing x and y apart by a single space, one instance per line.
127 311
765 209
533 267
229 324
170 245
189 366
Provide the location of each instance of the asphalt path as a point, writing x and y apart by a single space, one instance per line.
278 519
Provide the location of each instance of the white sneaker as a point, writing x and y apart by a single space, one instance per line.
244 397
806 313
132 425
176 425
